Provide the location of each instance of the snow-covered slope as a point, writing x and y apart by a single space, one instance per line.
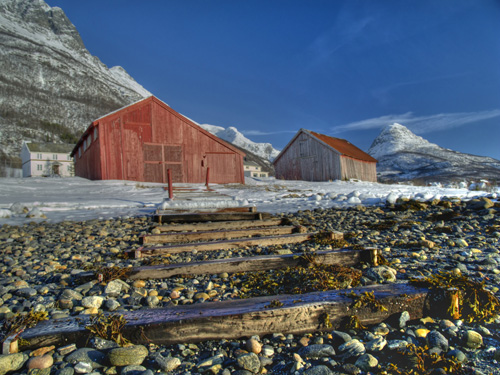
402 155
47 75
264 150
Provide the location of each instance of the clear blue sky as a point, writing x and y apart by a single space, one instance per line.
344 68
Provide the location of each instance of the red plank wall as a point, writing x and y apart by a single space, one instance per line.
141 141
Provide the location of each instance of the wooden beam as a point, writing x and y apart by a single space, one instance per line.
177 237
220 224
233 319
344 257
210 216
230 244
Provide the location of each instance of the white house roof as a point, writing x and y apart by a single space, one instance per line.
57 148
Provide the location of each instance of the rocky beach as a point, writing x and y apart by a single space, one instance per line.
41 262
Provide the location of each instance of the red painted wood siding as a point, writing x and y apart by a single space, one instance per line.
142 141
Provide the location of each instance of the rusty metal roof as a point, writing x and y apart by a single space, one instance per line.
344 147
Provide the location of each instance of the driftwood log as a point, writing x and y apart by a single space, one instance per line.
344 257
176 237
234 319
220 224
230 244
210 216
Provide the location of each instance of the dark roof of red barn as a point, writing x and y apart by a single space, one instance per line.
346 148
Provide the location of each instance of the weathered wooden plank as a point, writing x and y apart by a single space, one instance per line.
220 224
344 257
234 319
229 244
210 216
177 237
174 210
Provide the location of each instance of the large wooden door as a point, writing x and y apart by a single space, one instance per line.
222 167
158 159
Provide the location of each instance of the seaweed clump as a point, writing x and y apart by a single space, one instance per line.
366 299
18 323
474 304
419 362
107 274
109 327
296 280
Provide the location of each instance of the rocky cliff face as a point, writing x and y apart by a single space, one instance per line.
48 77
404 156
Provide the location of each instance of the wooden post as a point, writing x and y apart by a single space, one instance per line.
170 187
208 177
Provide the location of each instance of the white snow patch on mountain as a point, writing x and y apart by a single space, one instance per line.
402 155
232 135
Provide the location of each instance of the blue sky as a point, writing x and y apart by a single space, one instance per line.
344 68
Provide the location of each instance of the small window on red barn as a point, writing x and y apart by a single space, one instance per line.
80 151
96 133
89 140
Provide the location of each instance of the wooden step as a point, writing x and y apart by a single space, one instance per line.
177 237
220 224
230 244
233 319
210 216
344 257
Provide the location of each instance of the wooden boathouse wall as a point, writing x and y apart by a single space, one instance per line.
311 156
142 141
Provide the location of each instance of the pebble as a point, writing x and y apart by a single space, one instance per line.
130 355
317 351
40 362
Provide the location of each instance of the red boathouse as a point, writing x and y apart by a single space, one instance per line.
142 141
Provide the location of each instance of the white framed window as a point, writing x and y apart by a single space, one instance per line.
39 156
39 167
54 156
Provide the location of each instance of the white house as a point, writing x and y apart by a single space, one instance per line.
252 169
47 160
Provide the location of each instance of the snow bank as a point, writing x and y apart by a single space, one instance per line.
77 199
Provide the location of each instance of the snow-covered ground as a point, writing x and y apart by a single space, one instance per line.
77 199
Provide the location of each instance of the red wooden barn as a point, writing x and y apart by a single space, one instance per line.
142 141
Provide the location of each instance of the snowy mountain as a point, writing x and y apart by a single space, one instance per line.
51 87
264 150
49 80
402 155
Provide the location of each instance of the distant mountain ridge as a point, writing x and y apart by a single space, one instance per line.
51 87
47 76
403 155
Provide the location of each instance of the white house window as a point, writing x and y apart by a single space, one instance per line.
54 156
39 156
38 167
